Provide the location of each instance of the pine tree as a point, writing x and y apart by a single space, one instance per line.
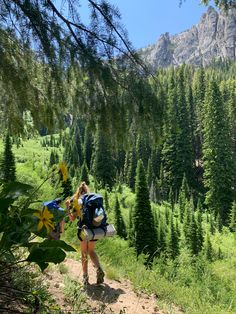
161 236
162 185
120 161
150 173
212 224
131 228
184 153
119 221
106 201
71 156
200 238
208 250
143 149
167 215
219 224
169 165
103 167
76 138
172 241
218 174
229 102
186 224
54 158
232 223
131 170
66 188
183 198
145 240
84 176
126 166
156 161
65 184
8 167
51 159
88 147
199 87
155 216
153 192
193 240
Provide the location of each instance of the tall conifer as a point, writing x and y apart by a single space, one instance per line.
8 167
104 167
208 250
218 172
119 221
184 154
132 170
232 222
199 87
145 235
200 237
172 241
84 176
88 147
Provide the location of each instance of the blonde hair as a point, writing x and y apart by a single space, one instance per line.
81 190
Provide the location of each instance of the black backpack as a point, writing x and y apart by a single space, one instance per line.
94 215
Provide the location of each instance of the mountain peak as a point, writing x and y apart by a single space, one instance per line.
214 37
211 9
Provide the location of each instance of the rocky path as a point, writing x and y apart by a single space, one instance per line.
112 296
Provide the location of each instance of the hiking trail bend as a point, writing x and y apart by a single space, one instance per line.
113 296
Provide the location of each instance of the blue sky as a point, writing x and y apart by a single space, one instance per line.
146 20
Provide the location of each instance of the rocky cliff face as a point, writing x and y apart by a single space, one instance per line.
213 38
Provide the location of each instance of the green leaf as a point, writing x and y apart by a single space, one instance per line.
15 189
46 254
42 265
57 243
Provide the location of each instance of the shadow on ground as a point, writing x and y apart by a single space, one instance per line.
103 293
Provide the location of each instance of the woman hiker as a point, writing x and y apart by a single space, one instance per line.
87 247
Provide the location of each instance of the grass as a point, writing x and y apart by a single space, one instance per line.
195 286
75 296
32 166
63 269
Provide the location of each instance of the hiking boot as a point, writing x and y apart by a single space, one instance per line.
100 276
85 280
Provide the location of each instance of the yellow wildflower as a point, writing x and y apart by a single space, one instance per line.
45 219
64 171
77 208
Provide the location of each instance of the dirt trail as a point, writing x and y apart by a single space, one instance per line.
111 297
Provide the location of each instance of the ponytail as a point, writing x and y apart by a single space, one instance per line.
82 189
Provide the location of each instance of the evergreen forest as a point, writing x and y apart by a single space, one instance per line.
78 104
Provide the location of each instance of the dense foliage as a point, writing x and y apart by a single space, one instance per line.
195 156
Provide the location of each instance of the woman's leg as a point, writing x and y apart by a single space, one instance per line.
95 260
84 256
93 254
